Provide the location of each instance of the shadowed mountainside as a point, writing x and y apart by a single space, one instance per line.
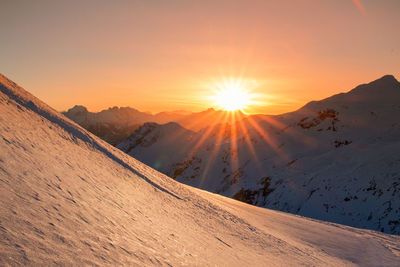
336 159
68 198
115 124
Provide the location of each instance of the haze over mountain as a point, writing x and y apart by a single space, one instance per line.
68 198
116 124
336 160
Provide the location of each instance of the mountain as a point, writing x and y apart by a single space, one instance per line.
68 198
115 124
199 121
336 160
150 133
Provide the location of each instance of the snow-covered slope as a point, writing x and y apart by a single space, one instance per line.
149 134
337 159
68 198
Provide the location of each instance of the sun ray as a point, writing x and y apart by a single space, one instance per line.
216 148
193 125
233 143
267 138
204 136
249 142
289 131
199 121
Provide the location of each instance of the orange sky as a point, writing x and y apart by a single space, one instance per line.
167 55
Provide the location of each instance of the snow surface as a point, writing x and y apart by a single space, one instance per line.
69 198
335 160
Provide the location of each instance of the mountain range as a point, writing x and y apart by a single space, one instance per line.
337 159
117 123
69 198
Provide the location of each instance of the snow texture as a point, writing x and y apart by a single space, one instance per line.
69 198
335 160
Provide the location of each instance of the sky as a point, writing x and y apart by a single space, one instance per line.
171 55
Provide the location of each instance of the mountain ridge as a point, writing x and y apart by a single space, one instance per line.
342 144
115 124
69 198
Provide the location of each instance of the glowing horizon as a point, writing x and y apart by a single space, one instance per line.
157 56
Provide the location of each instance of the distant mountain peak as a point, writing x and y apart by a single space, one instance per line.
48 163
116 108
382 87
78 109
389 77
385 80
380 92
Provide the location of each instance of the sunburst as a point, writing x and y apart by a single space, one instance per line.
232 95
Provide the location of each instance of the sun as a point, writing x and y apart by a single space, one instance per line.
232 96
